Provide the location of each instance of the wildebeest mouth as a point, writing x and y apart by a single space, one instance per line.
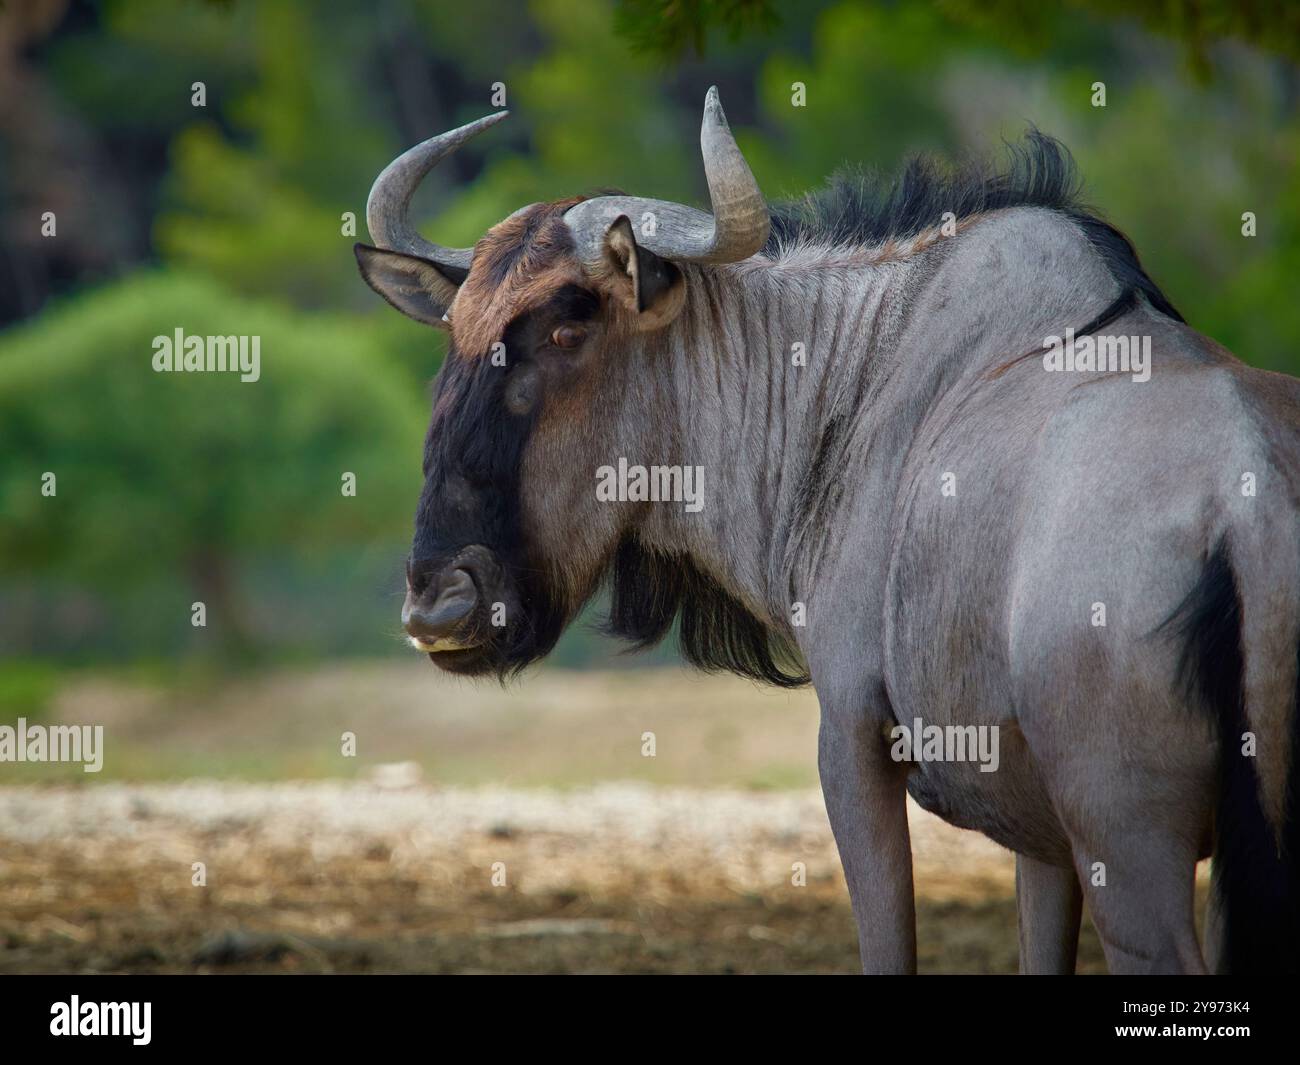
469 661
441 645
445 612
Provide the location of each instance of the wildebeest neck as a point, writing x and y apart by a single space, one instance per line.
801 384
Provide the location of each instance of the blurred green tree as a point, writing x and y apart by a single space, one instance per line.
192 475
244 198
669 28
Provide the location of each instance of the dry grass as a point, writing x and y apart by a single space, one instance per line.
613 862
335 876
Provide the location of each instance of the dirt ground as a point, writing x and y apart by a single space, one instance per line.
345 877
712 856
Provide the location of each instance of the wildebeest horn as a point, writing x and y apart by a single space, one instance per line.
390 198
735 230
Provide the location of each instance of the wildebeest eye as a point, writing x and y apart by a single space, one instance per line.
568 336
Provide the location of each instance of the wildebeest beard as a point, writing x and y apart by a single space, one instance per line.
473 457
649 590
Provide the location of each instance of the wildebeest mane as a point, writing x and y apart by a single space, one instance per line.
858 208
650 590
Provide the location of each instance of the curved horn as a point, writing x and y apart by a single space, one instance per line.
390 197
735 230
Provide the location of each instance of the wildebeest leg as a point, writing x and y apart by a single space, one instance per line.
1049 905
1141 891
866 801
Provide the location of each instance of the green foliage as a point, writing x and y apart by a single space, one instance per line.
166 480
153 465
27 688
869 96
669 28
1269 25
189 475
591 127
264 212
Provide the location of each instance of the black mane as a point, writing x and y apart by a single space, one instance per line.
857 208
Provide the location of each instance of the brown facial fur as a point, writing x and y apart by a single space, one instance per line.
518 265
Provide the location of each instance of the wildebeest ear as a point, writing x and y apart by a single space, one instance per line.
418 288
652 287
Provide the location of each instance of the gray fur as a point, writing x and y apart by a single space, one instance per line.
974 609
824 499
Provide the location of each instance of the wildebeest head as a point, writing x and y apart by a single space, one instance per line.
509 539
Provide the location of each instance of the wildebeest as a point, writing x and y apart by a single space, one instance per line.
912 499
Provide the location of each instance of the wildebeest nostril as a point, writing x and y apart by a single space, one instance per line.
438 612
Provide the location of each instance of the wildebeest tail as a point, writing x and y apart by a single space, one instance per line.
1236 666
